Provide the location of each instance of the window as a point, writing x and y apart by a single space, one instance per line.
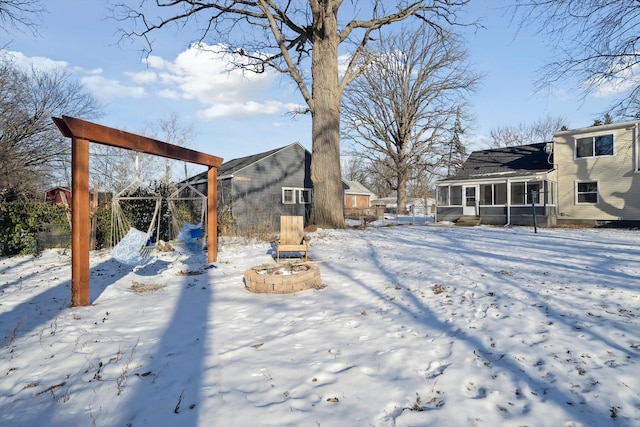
486 194
456 195
518 193
493 194
601 145
354 201
533 192
304 196
450 195
587 192
500 194
524 193
288 196
443 196
292 196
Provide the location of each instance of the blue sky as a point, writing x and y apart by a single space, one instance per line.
235 115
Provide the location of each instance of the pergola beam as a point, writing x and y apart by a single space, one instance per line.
72 127
82 133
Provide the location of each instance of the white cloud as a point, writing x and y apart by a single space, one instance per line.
616 87
103 88
169 94
248 108
107 89
143 77
204 73
37 62
623 80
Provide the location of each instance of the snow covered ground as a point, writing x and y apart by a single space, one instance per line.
417 326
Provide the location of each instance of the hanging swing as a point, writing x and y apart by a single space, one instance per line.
130 245
187 210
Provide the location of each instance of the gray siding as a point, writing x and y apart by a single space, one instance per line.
250 199
449 213
257 190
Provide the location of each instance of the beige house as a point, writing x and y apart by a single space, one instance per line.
598 174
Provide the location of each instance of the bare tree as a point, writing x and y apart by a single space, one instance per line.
292 37
597 41
32 150
112 169
401 110
541 130
19 14
457 151
173 130
354 168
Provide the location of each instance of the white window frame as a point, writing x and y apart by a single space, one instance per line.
597 192
593 146
298 196
301 198
292 200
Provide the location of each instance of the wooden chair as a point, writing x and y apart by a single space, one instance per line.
292 238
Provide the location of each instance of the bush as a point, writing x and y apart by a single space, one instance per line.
103 227
22 218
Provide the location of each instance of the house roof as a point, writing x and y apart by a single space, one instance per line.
233 166
354 187
521 160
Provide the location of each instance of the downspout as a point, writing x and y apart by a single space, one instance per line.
435 214
508 203
637 138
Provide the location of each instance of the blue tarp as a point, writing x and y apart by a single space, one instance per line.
191 235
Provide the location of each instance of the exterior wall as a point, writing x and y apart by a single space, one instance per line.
362 201
257 191
251 200
493 215
616 175
521 215
449 213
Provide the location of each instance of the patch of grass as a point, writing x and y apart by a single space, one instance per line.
140 288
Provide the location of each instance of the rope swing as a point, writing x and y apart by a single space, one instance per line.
132 246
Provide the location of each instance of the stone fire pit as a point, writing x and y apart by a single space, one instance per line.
284 278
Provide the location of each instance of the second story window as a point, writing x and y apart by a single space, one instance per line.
592 146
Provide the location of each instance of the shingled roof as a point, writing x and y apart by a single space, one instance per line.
509 161
233 166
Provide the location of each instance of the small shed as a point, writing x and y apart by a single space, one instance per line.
58 196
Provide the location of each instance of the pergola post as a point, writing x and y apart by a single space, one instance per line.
80 222
212 214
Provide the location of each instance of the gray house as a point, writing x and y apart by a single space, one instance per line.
501 187
254 191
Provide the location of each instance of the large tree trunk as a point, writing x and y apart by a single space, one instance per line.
327 204
401 198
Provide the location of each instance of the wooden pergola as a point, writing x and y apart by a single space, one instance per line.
82 133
